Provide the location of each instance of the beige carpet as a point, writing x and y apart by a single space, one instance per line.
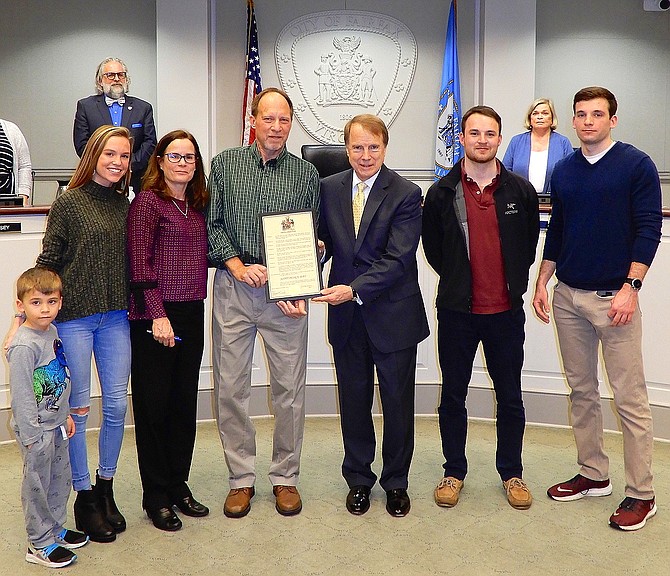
483 535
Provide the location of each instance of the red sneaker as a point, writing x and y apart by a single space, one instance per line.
578 487
632 513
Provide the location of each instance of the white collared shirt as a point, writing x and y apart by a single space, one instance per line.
369 184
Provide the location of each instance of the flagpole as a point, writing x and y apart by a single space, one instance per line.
252 79
245 119
250 12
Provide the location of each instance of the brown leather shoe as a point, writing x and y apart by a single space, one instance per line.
288 500
238 502
518 494
447 492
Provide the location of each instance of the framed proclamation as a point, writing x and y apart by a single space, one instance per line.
289 244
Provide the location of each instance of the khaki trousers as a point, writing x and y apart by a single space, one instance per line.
239 313
582 324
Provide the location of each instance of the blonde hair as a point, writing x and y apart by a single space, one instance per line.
89 159
535 104
41 279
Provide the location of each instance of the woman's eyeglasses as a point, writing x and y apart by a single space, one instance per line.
176 158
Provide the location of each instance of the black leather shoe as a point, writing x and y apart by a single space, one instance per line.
358 500
165 519
397 502
191 507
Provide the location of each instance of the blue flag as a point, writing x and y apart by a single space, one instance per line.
448 149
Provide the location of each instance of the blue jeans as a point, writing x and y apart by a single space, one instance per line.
107 337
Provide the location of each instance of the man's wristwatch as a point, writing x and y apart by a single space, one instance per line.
354 294
635 283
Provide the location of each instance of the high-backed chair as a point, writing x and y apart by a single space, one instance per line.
327 158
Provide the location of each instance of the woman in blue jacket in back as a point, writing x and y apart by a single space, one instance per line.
533 154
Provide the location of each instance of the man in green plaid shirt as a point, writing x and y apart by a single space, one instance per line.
245 182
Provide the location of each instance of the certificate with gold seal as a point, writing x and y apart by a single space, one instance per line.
289 244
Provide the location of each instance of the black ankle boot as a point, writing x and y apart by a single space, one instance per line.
105 494
89 518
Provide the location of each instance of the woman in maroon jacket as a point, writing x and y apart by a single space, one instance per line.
167 248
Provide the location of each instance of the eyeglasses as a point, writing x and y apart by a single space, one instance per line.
176 158
114 75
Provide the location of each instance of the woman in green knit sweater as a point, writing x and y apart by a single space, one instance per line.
85 243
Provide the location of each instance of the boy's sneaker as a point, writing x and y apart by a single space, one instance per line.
70 539
53 556
578 487
632 513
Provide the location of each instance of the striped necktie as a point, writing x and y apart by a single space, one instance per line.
358 205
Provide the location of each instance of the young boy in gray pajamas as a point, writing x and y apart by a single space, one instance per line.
39 385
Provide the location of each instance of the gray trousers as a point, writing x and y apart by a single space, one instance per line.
582 324
47 481
239 313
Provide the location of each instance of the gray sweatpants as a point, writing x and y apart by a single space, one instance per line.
47 481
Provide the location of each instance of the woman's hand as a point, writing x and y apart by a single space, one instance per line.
18 320
162 331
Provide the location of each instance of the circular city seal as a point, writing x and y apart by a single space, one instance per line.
335 65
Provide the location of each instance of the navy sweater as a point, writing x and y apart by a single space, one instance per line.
604 216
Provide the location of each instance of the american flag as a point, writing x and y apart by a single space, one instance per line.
252 82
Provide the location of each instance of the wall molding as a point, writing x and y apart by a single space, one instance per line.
542 408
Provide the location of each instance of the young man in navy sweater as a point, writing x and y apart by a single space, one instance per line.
604 231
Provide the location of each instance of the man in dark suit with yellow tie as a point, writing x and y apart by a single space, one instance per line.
112 105
370 224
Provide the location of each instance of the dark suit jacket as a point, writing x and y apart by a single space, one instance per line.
138 117
380 263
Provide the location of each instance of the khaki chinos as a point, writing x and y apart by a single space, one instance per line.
239 313
582 323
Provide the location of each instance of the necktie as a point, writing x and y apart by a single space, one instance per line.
358 204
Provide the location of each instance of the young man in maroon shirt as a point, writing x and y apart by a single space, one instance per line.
480 232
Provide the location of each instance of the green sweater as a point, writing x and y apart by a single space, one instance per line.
85 243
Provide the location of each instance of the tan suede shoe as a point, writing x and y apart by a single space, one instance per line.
238 502
448 491
288 500
518 494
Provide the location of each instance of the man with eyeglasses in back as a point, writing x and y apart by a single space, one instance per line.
112 105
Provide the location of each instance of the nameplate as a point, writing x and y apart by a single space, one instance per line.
10 227
335 65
